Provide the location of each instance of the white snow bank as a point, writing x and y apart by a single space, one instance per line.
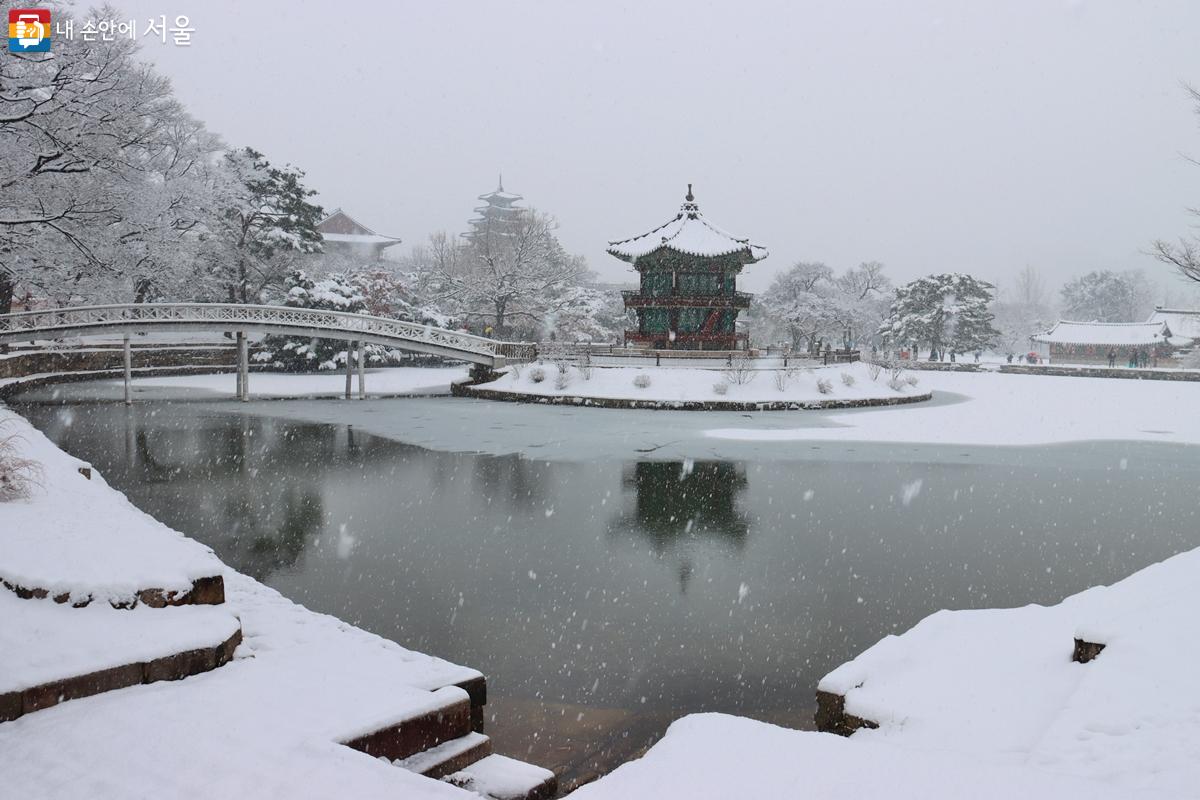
79 537
389 380
43 641
674 384
1130 717
718 756
1014 409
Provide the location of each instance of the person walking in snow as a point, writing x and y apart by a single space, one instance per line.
1112 357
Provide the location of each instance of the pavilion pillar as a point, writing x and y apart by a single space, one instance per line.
362 371
128 363
349 368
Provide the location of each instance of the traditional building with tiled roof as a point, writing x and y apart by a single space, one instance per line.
688 271
344 235
1092 342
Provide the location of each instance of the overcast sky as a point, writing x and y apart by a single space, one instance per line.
931 136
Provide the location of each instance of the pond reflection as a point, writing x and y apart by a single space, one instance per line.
604 599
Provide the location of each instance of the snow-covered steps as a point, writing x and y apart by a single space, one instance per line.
51 653
448 757
446 716
504 778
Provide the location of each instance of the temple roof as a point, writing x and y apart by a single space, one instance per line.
500 197
360 238
1111 334
341 227
688 233
1181 321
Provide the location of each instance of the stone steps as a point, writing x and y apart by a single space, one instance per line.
502 778
448 757
170 667
450 720
204 591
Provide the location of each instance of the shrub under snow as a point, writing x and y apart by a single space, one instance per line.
847 379
721 388
18 475
537 374
641 380
824 386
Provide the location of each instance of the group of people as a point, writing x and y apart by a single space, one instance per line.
1137 358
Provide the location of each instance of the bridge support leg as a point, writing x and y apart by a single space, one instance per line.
349 368
237 348
128 360
362 371
243 346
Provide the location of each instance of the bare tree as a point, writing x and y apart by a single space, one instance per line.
513 273
1183 255
1030 288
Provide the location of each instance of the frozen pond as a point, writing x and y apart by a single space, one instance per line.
603 592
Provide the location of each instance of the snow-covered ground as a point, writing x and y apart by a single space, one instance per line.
715 757
845 382
1130 717
267 724
386 381
84 539
1012 410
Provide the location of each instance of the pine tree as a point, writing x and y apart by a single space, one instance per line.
304 354
264 214
942 311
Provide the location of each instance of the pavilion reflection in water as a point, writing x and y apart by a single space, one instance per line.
678 505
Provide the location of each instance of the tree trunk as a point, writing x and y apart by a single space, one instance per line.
8 287
498 325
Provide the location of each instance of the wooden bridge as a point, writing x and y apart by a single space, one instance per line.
356 329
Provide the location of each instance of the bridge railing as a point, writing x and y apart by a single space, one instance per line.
62 320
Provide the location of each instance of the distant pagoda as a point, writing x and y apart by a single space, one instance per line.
499 213
688 298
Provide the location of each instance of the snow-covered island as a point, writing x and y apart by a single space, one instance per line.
722 387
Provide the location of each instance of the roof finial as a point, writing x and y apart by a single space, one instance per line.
500 183
689 197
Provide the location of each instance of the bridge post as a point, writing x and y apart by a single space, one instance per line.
243 367
362 371
128 361
237 349
349 368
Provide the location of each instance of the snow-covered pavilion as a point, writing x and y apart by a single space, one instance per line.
342 234
1091 342
688 298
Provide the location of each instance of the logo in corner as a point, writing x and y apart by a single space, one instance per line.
29 30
